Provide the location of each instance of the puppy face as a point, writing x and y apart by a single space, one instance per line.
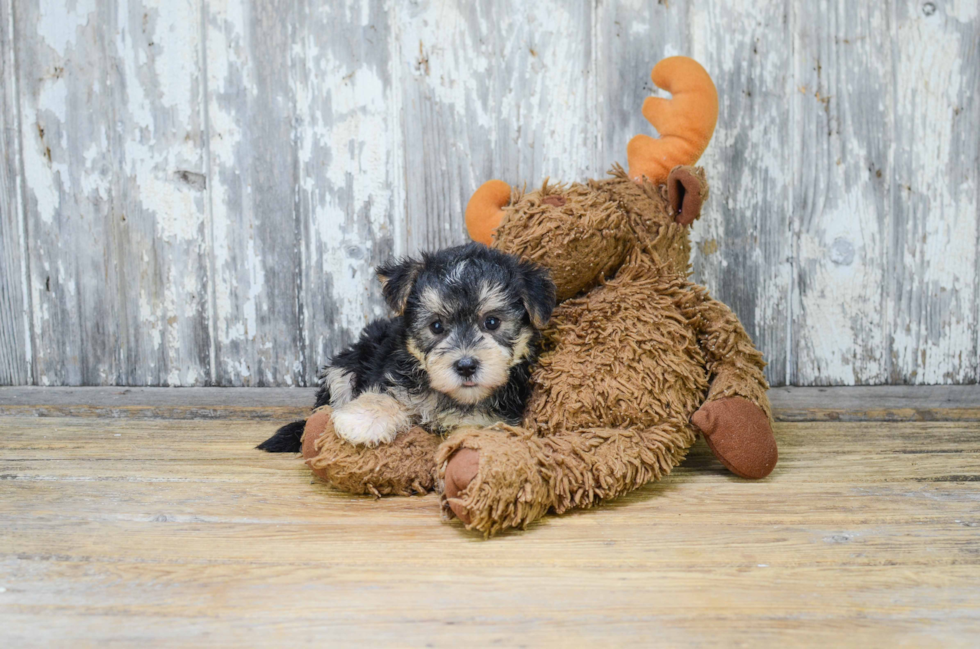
471 313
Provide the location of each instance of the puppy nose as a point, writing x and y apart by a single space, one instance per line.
466 367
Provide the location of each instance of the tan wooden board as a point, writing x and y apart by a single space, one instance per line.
123 532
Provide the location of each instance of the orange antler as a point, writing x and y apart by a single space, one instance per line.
485 210
685 122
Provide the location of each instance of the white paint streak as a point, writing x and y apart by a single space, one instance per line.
58 22
936 324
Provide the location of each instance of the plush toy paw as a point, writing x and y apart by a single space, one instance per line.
738 433
491 478
402 467
460 471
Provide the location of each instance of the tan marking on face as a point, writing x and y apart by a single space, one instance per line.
492 297
431 300
522 347
414 350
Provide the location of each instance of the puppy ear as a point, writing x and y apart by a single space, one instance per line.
397 279
537 293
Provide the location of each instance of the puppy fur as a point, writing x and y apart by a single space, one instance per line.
457 351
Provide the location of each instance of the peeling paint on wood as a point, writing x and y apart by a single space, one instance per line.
110 97
15 339
196 193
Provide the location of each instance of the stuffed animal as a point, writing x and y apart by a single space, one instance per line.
636 359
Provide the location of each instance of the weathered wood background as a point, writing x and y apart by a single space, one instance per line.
194 192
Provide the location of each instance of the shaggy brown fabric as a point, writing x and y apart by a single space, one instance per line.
579 252
508 490
404 467
738 433
630 355
521 476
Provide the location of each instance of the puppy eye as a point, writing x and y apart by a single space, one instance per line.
436 327
491 323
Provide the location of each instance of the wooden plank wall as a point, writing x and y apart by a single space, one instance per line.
194 192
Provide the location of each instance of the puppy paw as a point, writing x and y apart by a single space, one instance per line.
371 419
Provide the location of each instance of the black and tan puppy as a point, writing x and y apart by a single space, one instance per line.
457 353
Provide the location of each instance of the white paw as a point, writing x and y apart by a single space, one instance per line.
370 419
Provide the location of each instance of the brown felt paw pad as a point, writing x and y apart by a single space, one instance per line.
738 433
315 426
460 471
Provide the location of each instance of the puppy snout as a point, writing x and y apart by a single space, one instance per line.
466 367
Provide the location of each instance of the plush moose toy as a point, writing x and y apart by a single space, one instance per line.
636 359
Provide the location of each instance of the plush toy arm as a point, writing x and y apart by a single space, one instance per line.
733 362
736 417
504 477
399 468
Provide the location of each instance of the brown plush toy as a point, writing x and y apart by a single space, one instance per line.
637 358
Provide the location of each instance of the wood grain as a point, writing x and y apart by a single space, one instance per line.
256 236
15 336
196 193
491 89
935 194
742 251
155 532
346 135
111 127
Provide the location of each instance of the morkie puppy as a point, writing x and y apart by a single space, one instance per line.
457 353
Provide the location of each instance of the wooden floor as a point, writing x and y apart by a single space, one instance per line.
118 527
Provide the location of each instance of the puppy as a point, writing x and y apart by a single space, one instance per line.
456 353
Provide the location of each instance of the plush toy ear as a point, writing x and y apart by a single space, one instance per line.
397 279
537 293
485 210
686 193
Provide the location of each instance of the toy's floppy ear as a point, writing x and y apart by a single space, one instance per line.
686 192
397 279
537 293
685 122
485 210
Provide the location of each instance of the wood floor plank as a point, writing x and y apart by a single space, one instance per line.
121 531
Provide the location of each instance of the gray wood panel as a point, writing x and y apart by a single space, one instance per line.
840 212
346 132
197 194
15 349
254 166
933 268
110 98
887 163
